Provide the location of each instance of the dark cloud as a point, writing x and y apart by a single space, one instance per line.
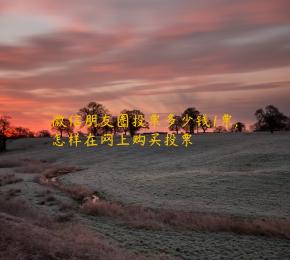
54 48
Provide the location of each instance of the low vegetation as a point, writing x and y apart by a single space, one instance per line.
9 179
27 234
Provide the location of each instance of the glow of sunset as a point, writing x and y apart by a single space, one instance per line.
158 56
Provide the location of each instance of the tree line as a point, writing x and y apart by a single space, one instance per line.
268 119
100 111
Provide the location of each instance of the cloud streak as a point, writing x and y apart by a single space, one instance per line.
185 51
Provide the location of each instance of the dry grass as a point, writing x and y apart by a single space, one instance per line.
76 192
47 172
46 169
12 193
66 217
66 206
19 208
140 217
9 179
26 234
6 163
31 167
56 171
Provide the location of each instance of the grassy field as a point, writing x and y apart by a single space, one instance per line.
225 196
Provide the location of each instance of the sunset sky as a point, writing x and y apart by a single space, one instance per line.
160 56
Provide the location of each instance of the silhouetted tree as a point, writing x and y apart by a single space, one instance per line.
220 129
192 113
206 125
4 131
81 134
133 125
64 127
238 127
116 129
270 119
43 134
108 128
21 132
91 109
177 125
287 128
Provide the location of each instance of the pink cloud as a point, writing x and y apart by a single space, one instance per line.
152 44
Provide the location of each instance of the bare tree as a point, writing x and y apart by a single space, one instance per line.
63 126
93 109
238 127
43 133
220 129
270 119
5 127
191 113
206 125
177 124
287 128
21 132
116 129
136 121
